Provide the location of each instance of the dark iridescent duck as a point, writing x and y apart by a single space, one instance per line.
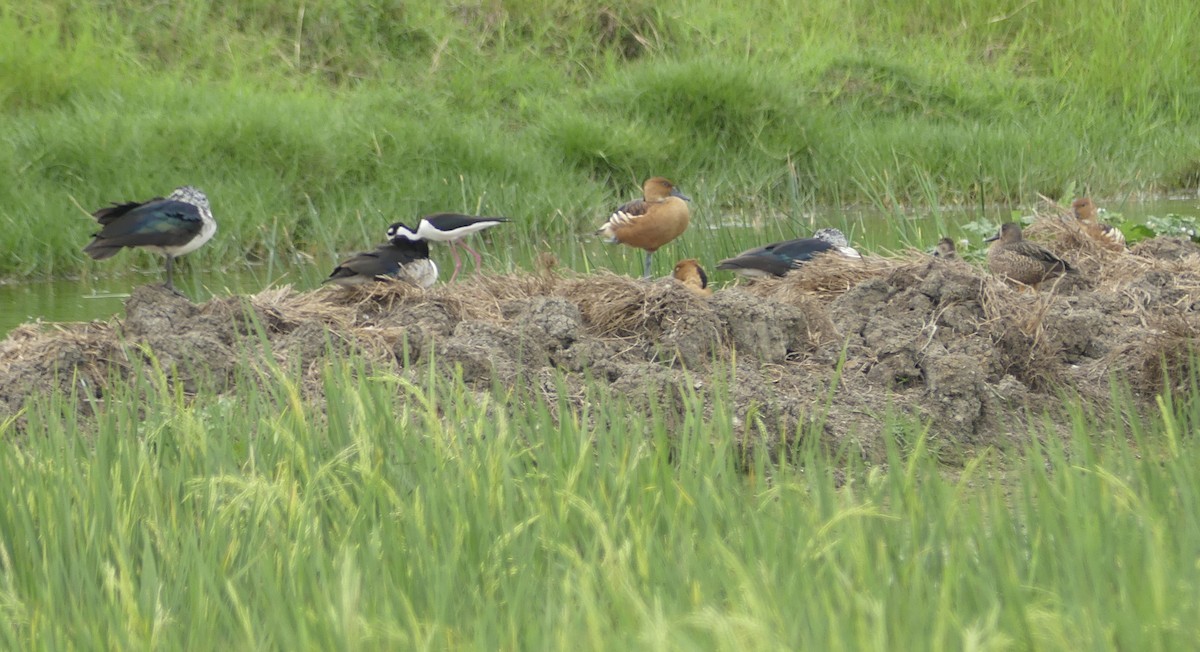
1107 235
401 259
449 227
779 258
659 217
172 226
691 274
1029 263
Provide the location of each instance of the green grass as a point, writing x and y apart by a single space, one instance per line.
401 514
312 127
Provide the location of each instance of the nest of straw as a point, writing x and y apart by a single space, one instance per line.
827 277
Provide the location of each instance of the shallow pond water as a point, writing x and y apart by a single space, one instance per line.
102 297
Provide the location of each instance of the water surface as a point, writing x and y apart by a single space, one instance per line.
103 297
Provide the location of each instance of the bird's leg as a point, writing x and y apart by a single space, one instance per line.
646 264
457 261
478 258
170 282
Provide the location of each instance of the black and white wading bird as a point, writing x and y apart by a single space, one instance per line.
400 259
451 228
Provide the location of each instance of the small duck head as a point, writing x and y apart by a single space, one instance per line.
191 195
1010 232
400 230
1085 209
690 270
659 188
945 249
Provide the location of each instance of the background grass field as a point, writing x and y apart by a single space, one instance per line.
313 126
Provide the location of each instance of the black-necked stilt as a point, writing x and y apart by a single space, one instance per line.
659 217
1026 262
172 226
402 259
691 274
779 258
448 227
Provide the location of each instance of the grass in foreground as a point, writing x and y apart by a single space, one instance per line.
428 516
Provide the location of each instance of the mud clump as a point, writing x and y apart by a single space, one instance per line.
771 331
837 350
1166 248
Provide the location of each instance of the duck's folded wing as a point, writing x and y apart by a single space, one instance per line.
158 223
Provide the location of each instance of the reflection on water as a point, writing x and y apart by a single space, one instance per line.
89 299
101 298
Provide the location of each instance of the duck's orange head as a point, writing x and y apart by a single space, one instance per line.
1085 209
690 270
659 188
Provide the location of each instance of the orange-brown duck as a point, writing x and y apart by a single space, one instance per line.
1107 235
691 274
659 217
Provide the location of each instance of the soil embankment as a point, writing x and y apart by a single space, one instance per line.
934 340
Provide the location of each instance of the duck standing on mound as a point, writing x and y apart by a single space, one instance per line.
1107 235
779 258
691 274
172 226
1020 260
448 227
401 259
659 217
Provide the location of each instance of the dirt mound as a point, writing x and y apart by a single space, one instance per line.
837 349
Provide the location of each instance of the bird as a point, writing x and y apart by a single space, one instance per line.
659 217
692 276
779 258
1021 260
449 227
1107 235
401 259
173 226
946 249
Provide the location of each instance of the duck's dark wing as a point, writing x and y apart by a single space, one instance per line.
757 260
633 208
156 223
1044 255
801 249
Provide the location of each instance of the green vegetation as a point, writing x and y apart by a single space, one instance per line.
395 515
312 126
401 515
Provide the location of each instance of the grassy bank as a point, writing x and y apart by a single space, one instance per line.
313 127
400 516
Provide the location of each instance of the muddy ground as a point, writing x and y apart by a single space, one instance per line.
937 341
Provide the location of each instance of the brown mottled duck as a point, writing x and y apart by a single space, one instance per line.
1020 260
